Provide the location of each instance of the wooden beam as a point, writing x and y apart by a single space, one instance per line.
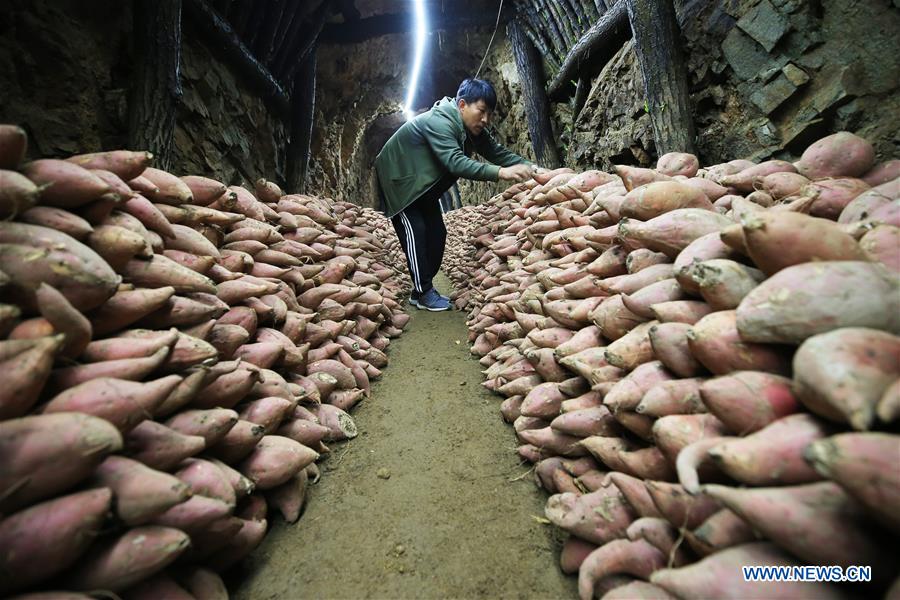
537 108
581 95
370 27
156 85
658 46
223 40
262 47
303 113
306 40
595 48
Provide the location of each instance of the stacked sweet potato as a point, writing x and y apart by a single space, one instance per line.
175 353
703 365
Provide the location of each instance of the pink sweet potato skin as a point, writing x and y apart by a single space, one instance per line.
808 299
816 522
43 455
719 576
864 464
841 375
119 563
48 537
774 454
842 154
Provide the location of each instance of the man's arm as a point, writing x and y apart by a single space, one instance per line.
446 148
497 154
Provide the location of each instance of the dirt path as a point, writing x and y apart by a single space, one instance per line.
450 521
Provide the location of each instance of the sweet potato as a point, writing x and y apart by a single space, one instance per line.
743 180
204 190
41 456
212 424
126 307
64 184
586 422
774 454
777 241
243 487
715 342
46 538
723 529
678 163
673 231
640 259
32 255
670 346
666 290
831 196
160 271
661 535
240 441
597 517
842 154
627 393
637 590
723 283
25 374
290 497
133 369
229 389
613 319
240 545
719 576
880 245
841 375
56 218
122 403
781 185
654 199
126 164
631 283
574 551
171 190
119 563
704 248
817 522
148 214
13 143
204 584
808 299
160 447
207 479
638 558
747 401
18 195
864 465
141 493
673 433
634 177
680 311
678 507
632 349
194 514
676 397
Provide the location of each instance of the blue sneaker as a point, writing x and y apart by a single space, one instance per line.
414 297
433 301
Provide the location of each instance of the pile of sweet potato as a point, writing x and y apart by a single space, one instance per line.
175 354
702 365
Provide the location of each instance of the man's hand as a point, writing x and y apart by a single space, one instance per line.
517 173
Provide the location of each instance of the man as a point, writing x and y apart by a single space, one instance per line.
422 160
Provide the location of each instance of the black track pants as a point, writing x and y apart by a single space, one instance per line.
420 227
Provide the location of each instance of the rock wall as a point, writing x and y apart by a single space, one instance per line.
65 73
767 77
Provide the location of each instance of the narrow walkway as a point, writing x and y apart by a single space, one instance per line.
452 520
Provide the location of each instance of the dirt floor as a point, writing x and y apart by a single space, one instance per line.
429 501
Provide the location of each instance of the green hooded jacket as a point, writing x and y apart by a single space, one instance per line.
432 150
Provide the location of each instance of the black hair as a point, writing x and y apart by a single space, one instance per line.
472 90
